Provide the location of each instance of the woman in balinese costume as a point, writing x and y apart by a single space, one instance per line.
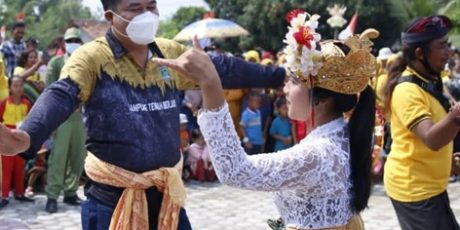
324 181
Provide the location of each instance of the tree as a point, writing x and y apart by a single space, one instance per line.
183 17
54 17
406 11
265 19
452 9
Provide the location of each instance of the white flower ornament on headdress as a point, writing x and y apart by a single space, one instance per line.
302 57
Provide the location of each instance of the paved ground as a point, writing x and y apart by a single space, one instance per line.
210 207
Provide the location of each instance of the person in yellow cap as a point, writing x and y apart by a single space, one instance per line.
252 56
267 62
66 161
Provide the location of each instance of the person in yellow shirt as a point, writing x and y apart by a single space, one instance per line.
34 84
381 80
13 110
29 60
3 82
422 128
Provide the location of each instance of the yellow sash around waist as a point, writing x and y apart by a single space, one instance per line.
131 211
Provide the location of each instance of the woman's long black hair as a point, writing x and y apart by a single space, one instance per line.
361 128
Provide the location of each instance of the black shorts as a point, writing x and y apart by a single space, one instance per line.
429 214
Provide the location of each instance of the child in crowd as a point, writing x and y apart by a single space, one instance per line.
251 125
184 145
199 159
184 135
13 110
280 129
38 169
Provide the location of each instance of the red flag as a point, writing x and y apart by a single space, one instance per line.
350 30
20 16
209 14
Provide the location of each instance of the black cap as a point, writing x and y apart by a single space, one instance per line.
426 29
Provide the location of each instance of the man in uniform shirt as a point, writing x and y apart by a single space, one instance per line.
131 115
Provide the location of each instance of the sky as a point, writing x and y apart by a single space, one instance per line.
167 7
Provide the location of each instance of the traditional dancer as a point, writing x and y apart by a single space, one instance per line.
324 181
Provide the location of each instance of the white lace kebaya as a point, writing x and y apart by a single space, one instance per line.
310 181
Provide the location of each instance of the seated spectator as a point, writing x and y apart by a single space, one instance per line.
199 159
38 169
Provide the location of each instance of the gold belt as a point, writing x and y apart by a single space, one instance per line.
355 223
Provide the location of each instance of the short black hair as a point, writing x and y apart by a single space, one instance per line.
110 4
10 80
18 25
32 41
280 102
196 133
254 94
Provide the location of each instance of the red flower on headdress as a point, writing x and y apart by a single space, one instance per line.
304 37
293 14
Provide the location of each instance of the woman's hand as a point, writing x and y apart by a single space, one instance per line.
37 64
287 140
13 141
454 113
196 65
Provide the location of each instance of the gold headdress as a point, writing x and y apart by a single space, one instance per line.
330 68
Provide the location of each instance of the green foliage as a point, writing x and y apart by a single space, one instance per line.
452 10
264 19
183 17
55 16
408 10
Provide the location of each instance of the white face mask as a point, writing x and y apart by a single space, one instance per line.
142 29
71 47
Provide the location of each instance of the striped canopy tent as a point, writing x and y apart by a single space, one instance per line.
211 28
